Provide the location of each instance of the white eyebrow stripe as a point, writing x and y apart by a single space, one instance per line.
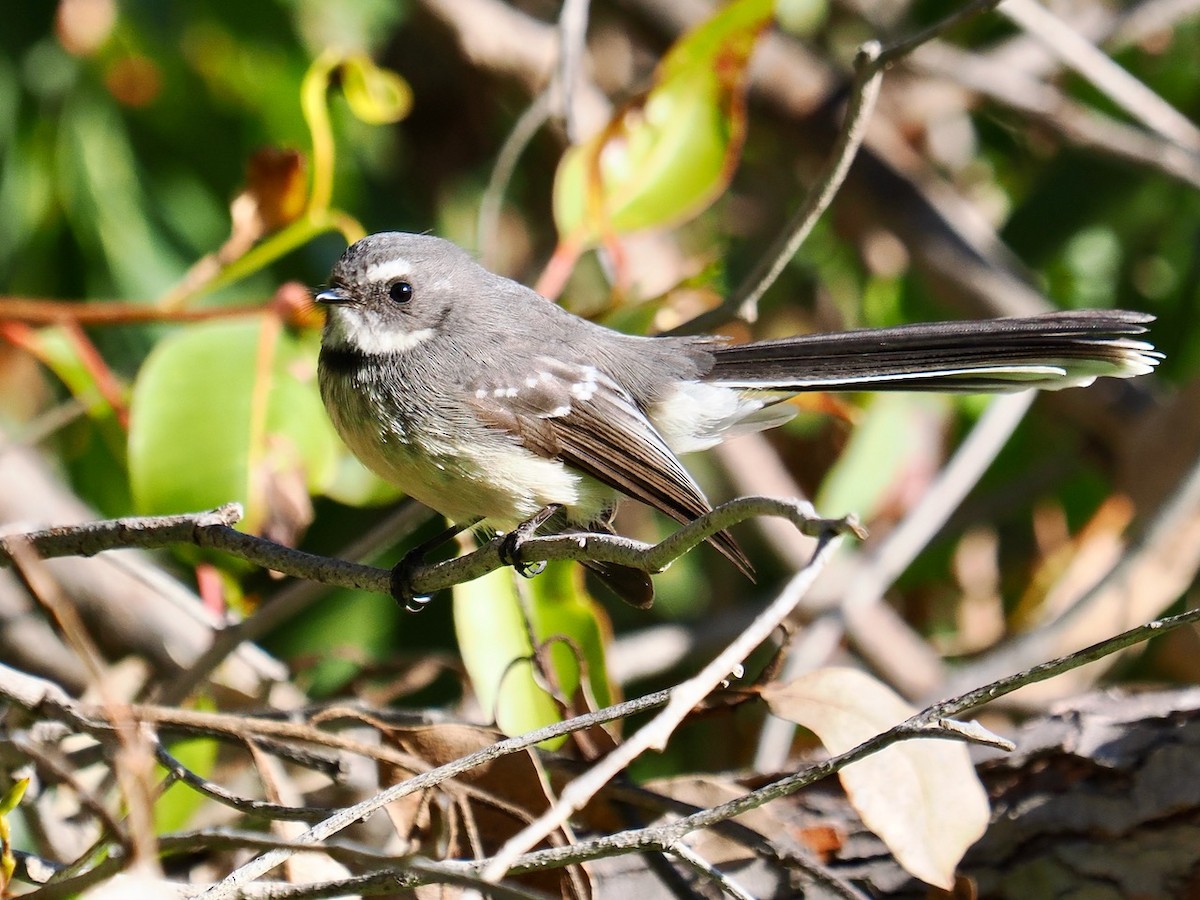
389 270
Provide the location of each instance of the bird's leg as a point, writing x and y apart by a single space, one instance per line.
402 572
510 547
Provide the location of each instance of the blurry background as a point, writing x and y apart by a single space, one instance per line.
994 180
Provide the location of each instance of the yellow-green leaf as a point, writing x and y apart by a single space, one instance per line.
8 803
227 411
666 157
12 797
494 640
498 655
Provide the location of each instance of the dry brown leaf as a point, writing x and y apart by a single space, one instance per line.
921 797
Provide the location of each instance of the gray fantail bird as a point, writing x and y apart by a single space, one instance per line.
487 403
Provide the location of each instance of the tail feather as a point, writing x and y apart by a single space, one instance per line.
1056 350
627 583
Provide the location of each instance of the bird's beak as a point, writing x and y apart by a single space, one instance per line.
332 295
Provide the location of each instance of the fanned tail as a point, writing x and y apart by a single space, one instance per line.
1052 351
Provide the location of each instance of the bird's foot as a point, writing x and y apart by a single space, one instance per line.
402 579
403 572
510 547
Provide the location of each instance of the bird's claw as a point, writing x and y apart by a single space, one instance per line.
510 546
401 582
510 554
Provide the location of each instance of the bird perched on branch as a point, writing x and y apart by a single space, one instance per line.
489 404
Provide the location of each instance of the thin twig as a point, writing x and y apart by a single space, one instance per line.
111 312
556 99
487 224
693 860
904 46
246 805
572 42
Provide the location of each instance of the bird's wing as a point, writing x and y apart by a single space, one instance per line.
579 415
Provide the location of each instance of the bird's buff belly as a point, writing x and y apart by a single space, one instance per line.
503 483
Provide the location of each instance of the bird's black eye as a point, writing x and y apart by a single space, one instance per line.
400 291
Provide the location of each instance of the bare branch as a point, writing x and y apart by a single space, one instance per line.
247 805
212 529
90 538
902 47
352 814
487 222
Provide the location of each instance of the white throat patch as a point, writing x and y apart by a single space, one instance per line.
366 332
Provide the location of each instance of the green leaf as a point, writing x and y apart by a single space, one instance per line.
219 410
663 159
494 640
377 96
497 653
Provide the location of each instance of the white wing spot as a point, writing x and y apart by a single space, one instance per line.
586 388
